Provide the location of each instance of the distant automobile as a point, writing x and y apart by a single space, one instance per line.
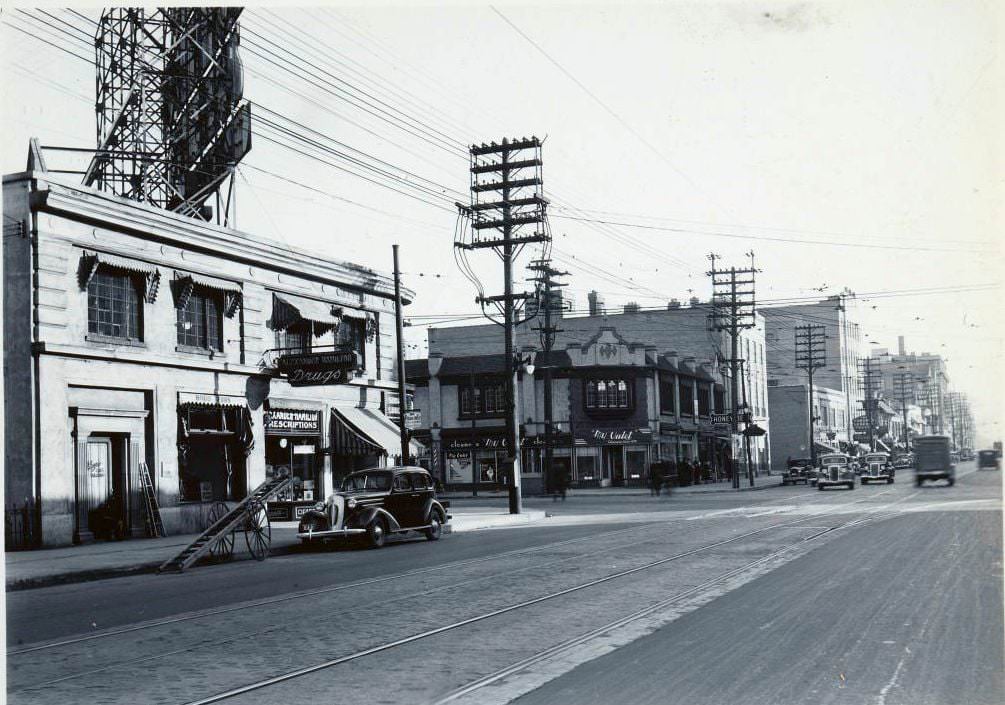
878 468
835 469
376 503
798 470
988 460
933 460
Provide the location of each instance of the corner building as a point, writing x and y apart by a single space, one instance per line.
141 342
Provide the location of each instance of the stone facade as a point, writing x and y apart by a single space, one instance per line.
86 411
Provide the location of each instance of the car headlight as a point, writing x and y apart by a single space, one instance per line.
350 503
320 506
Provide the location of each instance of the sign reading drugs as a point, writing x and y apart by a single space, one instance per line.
319 368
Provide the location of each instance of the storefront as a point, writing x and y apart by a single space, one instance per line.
474 459
612 457
214 440
293 446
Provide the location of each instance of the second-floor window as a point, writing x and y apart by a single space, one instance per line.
667 394
704 401
115 305
200 320
608 394
720 400
482 399
686 398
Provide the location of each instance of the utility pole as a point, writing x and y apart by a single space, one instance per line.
903 386
512 168
811 355
545 280
398 326
845 362
871 380
733 309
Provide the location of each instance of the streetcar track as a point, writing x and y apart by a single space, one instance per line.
307 670
318 591
355 584
272 628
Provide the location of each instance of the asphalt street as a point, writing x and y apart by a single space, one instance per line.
885 595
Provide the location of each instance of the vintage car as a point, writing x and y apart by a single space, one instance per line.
798 470
988 460
835 469
878 468
376 503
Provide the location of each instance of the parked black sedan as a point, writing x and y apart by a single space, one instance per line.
798 470
376 503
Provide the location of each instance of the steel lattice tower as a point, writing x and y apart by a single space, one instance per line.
171 125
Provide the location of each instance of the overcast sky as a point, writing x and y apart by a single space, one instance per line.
851 144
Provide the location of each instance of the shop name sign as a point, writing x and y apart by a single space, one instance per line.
290 421
319 368
617 437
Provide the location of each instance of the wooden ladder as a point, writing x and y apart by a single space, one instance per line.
155 526
229 522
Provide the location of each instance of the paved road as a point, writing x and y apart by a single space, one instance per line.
883 595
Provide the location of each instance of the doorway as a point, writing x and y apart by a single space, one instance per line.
106 486
614 465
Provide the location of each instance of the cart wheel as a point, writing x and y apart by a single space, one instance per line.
222 549
258 530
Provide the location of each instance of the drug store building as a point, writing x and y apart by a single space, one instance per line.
138 342
617 407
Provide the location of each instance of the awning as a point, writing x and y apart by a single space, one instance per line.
822 448
185 282
881 444
753 430
89 262
346 312
289 310
358 431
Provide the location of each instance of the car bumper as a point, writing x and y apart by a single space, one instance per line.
331 533
829 483
934 475
876 477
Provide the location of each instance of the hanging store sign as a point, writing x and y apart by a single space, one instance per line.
413 419
292 422
319 368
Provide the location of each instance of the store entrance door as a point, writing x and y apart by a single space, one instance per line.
614 463
106 487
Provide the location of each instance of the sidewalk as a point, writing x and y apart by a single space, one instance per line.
764 482
108 559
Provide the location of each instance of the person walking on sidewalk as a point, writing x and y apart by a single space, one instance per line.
655 479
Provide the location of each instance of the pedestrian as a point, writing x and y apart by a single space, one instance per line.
565 479
655 479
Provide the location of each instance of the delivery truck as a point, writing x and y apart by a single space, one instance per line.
933 460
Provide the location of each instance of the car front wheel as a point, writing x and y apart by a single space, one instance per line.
435 529
376 533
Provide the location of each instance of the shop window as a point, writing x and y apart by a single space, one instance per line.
686 399
482 400
213 443
199 320
667 394
114 305
604 394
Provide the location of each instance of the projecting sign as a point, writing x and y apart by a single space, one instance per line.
413 419
319 368
744 417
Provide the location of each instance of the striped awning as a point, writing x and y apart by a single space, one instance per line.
185 282
90 261
348 439
289 310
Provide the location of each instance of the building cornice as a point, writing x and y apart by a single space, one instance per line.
115 213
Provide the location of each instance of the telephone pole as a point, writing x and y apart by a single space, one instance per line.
903 383
733 310
509 177
810 356
871 381
546 282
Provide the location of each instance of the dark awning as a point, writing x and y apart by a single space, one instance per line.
754 430
289 310
90 260
349 439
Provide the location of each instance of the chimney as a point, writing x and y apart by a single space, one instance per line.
900 345
596 304
689 364
674 358
695 301
674 303
632 307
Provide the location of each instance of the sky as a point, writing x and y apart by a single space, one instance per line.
848 145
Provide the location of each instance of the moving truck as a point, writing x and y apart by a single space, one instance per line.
932 460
